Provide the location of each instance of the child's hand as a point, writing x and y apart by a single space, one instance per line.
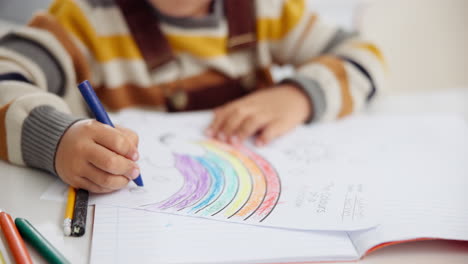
268 113
97 157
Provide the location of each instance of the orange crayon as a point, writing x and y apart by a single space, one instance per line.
14 240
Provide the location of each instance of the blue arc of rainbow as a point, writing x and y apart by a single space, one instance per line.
217 187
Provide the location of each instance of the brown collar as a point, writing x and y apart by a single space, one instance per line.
154 46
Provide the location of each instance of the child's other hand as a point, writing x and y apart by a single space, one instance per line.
97 157
268 113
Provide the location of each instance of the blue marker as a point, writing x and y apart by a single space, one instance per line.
99 112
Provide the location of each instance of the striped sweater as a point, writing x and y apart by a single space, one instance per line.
136 56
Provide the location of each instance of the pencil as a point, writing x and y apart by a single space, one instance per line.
2 260
80 212
69 211
14 240
39 242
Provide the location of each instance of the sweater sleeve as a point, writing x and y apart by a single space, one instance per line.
339 71
39 68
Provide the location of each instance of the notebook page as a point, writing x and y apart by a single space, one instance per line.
425 196
123 235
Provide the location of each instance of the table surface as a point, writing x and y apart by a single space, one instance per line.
20 189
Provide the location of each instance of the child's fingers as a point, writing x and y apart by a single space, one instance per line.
84 183
131 135
250 126
233 121
111 162
116 141
103 179
220 115
272 131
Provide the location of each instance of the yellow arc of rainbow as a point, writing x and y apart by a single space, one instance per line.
245 181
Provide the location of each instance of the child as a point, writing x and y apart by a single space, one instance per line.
174 55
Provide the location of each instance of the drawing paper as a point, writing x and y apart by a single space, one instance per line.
296 183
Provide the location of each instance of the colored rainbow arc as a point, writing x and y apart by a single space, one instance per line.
230 181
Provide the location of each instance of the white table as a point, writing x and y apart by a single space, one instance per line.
21 188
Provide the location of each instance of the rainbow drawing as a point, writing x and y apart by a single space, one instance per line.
226 181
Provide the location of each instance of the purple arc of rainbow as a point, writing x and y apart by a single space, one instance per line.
196 183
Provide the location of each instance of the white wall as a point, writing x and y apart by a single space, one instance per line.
341 12
20 11
425 41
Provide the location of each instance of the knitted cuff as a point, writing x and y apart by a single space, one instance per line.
41 134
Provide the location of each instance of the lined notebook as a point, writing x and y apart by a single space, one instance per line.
419 177
123 235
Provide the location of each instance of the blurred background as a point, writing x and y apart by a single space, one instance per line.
425 41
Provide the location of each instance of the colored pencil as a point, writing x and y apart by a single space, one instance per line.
39 242
69 211
14 240
99 112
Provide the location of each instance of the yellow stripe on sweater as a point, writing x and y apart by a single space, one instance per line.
103 48
278 28
199 46
372 49
336 66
